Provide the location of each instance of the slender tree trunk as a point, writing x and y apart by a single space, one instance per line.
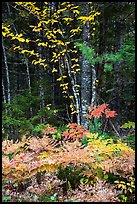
73 83
7 72
3 91
29 81
94 91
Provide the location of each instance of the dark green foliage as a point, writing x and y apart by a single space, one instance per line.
37 130
126 54
22 116
71 177
130 140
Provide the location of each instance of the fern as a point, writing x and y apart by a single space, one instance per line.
35 154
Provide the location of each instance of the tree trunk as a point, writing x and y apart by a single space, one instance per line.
85 75
94 91
7 73
29 81
3 92
73 83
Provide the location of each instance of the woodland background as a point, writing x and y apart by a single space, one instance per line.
58 58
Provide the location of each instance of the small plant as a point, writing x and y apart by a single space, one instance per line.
96 114
58 134
74 131
129 124
71 176
38 129
127 187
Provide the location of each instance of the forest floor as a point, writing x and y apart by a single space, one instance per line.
44 169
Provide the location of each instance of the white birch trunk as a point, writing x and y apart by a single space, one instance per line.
3 91
29 81
73 83
7 72
94 91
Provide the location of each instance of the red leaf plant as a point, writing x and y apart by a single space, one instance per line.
75 131
97 112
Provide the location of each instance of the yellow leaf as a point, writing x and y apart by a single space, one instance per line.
76 11
23 51
67 43
4 34
75 30
71 105
61 85
42 64
59 79
48 167
128 184
54 54
74 59
77 70
98 13
64 91
18 47
71 97
59 31
39 24
116 181
27 40
130 190
120 186
73 112
43 155
60 42
68 19
76 85
75 65
43 44
122 182
54 70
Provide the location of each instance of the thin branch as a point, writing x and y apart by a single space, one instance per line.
114 128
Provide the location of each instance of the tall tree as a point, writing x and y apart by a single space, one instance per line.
86 71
